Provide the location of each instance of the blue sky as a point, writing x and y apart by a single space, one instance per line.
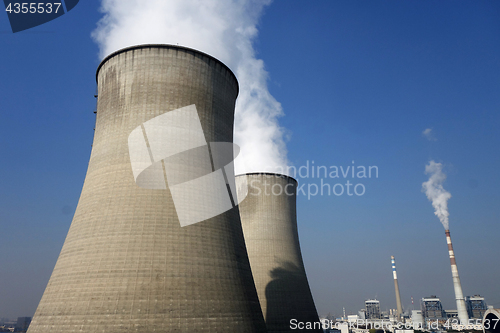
358 81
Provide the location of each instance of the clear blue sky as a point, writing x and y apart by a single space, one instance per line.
358 80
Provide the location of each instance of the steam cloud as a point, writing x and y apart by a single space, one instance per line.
435 192
428 134
224 29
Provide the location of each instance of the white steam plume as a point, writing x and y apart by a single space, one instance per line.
428 134
435 192
224 29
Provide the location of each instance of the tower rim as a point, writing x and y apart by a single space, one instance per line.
268 174
166 46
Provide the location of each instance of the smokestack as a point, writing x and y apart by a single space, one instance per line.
396 287
127 265
269 220
459 296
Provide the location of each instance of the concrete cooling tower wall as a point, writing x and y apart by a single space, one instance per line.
268 216
491 321
127 265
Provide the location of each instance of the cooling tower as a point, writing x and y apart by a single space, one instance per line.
459 296
396 287
127 265
268 216
491 321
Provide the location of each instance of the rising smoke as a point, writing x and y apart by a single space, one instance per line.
435 192
224 29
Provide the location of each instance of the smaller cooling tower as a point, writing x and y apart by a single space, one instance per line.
491 321
269 220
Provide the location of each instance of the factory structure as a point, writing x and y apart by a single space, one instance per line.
467 307
476 306
431 315
431 308
372 309
135 257
469 314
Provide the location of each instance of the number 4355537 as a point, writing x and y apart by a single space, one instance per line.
33 7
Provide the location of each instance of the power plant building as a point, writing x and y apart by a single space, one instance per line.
269 219
417 319
372 307
432 308
127 264
476 306
22 324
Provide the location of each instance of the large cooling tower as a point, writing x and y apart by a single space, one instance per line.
127 265
268 216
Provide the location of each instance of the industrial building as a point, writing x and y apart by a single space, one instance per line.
432 308
372 309
451 314
476 306
127 265
22 324
269 220
417 319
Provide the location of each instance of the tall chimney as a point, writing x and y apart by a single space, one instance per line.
459 296
396 287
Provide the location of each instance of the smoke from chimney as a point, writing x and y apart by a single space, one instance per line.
435 192
224 29
439 197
